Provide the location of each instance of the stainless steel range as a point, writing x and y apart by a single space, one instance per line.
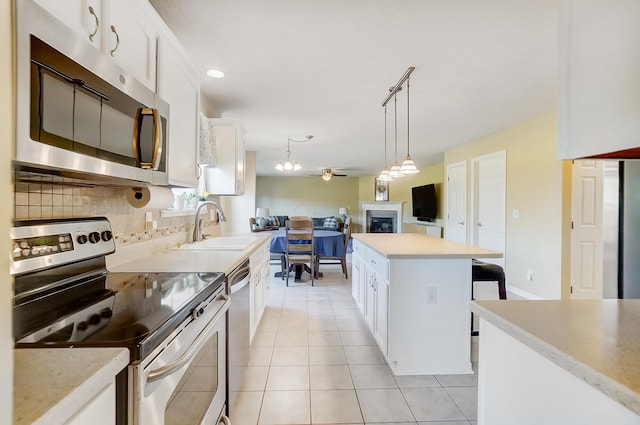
174 324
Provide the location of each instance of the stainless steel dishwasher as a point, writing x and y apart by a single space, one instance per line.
239 331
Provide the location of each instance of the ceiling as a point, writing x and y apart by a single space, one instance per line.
323 68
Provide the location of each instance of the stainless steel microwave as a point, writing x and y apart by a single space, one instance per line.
78 113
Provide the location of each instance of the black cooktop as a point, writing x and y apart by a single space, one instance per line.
132 310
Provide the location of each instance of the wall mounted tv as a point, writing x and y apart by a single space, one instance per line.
423 199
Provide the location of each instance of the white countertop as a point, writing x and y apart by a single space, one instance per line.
51 385
413 245
187 261
597 341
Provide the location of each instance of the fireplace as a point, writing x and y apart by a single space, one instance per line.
382 217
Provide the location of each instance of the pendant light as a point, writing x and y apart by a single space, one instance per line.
384 174
408 166
394 172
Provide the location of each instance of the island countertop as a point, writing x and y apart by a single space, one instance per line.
596 341
414 245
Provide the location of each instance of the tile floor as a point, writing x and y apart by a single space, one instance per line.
314 361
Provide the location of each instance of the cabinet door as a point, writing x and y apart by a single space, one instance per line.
82 16
99 411
227 177
180 89
382 313
370 299
131 39
355 278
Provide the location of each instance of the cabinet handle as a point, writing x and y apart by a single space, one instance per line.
95 31
373 261
113 51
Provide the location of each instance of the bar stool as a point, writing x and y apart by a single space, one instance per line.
487 272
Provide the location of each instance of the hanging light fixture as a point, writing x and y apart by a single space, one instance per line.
394 172
290 165
408 166
384 174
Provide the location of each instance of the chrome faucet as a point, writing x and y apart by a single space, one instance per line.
197 231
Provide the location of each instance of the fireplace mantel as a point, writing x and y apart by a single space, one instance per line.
369 208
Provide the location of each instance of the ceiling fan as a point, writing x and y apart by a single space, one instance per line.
327 174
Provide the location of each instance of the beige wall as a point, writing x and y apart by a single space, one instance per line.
6 192
536 185
310 196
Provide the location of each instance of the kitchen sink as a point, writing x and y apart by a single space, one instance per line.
220 243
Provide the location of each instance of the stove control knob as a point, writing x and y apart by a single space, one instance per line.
106 235
82 326
82 239
94 237
94 319
106 313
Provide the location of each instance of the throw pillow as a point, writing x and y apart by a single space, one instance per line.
282 219
318 222
261 222
272 221
331 222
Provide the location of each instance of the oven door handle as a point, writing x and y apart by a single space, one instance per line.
172 367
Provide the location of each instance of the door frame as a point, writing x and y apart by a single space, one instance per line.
472 230
466 194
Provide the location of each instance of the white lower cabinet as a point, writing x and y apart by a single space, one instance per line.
259 282
376 308
99 411
357 280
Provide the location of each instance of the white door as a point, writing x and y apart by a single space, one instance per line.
489 194
456 216
586 235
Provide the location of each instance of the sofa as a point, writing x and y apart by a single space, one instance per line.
276 221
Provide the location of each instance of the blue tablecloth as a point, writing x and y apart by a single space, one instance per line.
326 242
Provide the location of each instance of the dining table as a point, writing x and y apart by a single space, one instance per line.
326 243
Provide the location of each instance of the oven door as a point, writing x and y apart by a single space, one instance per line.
183 381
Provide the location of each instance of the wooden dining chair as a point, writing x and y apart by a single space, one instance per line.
321 259
299 245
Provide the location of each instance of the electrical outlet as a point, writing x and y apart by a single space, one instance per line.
516 213
529 274
432 295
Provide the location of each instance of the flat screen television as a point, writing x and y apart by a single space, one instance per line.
423 199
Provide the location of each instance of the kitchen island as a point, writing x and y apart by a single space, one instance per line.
559 362
414 292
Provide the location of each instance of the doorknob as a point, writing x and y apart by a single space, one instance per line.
480 224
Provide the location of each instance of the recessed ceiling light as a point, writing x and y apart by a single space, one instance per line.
215 73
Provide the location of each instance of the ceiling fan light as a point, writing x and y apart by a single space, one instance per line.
326 177
408 167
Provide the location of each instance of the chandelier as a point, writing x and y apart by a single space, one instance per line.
408 166
288 164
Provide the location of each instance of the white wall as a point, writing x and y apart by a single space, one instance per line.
6 193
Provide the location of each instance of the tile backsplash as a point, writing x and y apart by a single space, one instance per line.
47 197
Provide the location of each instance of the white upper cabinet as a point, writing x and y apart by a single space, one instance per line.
227 177
599 84
130 38
117 28
178 85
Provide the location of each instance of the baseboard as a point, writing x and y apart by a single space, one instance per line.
523 294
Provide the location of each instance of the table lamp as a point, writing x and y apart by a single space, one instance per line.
342 212
261 213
